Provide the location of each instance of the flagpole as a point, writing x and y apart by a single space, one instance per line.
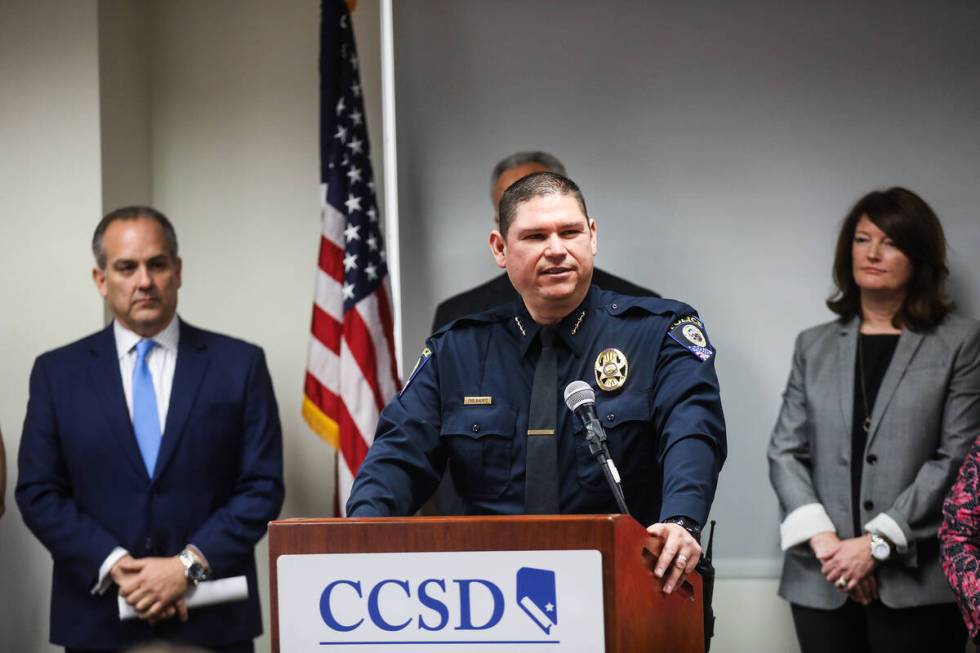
390 150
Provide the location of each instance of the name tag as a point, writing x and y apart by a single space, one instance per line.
477 401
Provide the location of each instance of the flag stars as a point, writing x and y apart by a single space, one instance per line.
351 233
372 214
340 106
348 291
372 272
372 243
353 61
350 262
356 145
356 117
353 203
356 89
549 607
354 174
341 134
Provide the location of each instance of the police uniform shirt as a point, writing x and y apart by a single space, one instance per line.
466 405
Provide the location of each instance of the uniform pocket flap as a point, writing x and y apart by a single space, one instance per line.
479 421
613 410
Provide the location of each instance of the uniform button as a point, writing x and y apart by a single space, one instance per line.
614 306
610 417
869 505
872 459
476 428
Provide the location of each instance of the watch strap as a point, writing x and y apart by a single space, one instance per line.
687 524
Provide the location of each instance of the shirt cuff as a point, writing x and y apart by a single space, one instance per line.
803 523
200 556
105 580
888 527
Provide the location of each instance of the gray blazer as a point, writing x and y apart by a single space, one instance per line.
925 417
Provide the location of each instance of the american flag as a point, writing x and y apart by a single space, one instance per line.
351 371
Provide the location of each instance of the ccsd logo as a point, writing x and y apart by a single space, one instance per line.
437 604
536 596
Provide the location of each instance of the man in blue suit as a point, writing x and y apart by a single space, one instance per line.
151 458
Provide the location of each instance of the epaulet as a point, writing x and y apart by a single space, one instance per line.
624 304
495 314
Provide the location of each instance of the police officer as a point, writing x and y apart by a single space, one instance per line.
485 395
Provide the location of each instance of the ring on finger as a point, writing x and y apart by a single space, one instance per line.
841 583
681 558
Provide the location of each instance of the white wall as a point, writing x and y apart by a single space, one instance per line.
50 198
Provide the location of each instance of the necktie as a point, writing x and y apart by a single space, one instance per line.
146 420
541 471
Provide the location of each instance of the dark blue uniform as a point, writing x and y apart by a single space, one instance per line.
466 404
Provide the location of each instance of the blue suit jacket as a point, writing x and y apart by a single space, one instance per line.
83 488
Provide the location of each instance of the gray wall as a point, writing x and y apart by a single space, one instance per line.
718 145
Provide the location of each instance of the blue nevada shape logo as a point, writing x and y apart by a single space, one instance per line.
536 596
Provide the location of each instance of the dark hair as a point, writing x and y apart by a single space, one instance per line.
132 213
916 231
549 161
536 184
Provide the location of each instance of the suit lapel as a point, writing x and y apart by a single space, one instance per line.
107 381
908 344
192 361
846 353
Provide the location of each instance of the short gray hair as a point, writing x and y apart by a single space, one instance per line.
549 161
132 213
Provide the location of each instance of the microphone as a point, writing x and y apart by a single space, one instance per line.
580 399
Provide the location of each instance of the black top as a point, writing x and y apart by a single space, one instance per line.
875 352
499 291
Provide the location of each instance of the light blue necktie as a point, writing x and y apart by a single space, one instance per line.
146 420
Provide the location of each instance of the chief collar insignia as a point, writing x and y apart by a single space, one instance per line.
611 369
419 364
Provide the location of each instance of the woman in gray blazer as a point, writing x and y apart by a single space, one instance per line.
880 408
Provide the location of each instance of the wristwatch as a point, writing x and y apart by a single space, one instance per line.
687 524
193 569
881 549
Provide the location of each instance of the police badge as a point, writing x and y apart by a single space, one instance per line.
611 369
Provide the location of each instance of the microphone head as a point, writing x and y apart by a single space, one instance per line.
578 393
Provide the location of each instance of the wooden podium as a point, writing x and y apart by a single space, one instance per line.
638 616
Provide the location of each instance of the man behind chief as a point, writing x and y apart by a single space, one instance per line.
151 458
485 396
499 289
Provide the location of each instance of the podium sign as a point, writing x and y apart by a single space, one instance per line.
441 601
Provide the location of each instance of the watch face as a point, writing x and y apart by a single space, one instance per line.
196 572
880 550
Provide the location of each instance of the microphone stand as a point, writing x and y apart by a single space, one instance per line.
596 438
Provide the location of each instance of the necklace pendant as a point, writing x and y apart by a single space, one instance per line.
867 424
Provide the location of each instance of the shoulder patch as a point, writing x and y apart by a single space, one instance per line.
419 364
689 333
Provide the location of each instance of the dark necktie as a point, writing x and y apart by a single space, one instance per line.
541 471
